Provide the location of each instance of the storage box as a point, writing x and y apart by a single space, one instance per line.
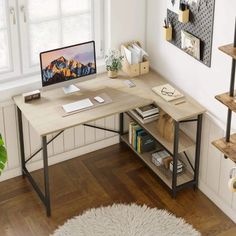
167 32
184 16
134 70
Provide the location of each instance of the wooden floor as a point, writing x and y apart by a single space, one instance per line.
112 175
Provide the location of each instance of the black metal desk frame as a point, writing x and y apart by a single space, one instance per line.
45 196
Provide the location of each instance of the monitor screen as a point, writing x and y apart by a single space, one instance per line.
68 63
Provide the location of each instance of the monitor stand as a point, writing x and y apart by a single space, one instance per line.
71 89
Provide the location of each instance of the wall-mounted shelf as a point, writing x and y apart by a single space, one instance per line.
229 49
227 148
227 100
227 145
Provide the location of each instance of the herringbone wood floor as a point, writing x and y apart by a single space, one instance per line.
111 175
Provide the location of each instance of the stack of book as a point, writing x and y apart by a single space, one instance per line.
146 114
159 157
140 140
179 166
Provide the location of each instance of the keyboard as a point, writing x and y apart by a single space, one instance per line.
79 105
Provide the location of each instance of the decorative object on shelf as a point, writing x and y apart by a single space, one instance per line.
201 20
232 180
3 155
113 62
190 44
183 13
165 126
227 145
167 30
130 220
136 59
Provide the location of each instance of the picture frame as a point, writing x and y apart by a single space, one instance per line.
190 44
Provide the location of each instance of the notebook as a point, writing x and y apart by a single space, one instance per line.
167 92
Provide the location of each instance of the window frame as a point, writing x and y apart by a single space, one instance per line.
13 43
19 51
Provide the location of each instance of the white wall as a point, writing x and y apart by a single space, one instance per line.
127 21
203 84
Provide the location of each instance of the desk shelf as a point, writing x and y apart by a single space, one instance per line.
164 174
185 142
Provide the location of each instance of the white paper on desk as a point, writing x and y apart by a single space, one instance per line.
134 56
128 54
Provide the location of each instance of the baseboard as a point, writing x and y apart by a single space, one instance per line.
218 201
8 174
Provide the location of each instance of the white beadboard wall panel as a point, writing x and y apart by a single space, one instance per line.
69 139
58 144
214 159
110 124
11 136
79 136
100 134
225 167
35 143
90 136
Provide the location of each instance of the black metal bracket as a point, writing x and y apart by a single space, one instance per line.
102 128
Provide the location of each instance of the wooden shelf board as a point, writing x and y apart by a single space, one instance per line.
164 174
229 50
185 142
228 101
227 148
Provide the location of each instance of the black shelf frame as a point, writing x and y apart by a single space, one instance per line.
193 183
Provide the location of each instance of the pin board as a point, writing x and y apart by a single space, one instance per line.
198 30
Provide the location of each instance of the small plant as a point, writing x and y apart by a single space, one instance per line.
113 60
3 155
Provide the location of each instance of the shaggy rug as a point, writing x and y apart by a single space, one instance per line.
126 220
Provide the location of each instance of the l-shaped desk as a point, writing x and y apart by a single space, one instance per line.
46 116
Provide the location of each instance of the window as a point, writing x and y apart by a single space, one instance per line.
45 25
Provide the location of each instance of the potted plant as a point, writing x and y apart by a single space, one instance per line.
113 62
3 155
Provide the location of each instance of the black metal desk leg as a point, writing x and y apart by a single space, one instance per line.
21 136
46 176
121 131
175 159
198 149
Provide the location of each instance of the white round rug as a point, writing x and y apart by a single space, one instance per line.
126 220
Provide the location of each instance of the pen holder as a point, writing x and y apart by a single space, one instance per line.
167 31
184 16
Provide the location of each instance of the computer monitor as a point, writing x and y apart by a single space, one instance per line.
68 65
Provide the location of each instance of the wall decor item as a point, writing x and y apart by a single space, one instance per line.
200 25
190 44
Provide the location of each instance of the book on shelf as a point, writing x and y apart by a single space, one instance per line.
167 92
148 110
179 166
146 142
144 120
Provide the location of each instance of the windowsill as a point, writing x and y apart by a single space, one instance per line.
30 83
